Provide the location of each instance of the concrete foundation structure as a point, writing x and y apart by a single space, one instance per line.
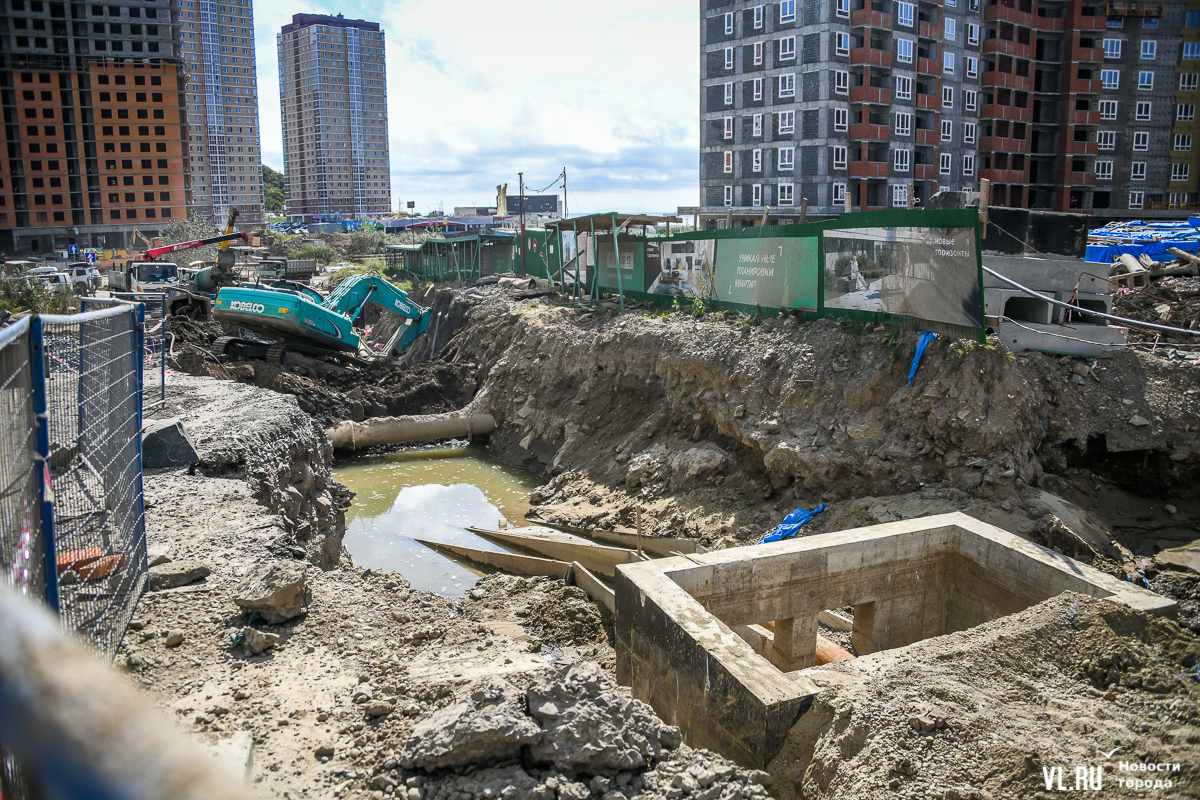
679 650
1027 323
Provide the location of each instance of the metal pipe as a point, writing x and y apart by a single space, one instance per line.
1134 323
398 430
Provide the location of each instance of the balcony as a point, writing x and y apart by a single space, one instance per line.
870 19
866 131
1004 47
870 94
1089 55
929 101
1007 80
1004 175
999 13
1005 112
869 56
1081 86
1082 148
1083 118
929 30
1079 178
925 172
868 169
926 136
1000 144
929 66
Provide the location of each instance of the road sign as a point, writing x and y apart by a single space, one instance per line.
73 249
90 258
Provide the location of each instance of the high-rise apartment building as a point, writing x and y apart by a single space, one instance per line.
333 100
1061 104
224 139
92 96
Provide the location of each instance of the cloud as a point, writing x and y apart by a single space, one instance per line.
479 91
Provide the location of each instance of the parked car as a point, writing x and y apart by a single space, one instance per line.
85 279
53 281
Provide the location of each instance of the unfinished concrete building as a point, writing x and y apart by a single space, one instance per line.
95 129
1062 104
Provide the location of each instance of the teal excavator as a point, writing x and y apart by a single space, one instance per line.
296 318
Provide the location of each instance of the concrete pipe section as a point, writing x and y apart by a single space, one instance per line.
398 430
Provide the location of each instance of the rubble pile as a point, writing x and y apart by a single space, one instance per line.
572 734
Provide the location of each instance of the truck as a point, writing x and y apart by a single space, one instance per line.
299 270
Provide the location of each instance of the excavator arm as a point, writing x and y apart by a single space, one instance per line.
353 294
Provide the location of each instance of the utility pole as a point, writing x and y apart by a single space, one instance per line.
521 178
566 211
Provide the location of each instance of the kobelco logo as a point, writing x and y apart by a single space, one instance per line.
242 305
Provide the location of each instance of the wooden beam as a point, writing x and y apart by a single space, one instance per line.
508 562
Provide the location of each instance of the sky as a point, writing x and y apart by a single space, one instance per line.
480 90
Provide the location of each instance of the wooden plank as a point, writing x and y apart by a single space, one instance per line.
657 546
594 587
596 557
835 620
507 562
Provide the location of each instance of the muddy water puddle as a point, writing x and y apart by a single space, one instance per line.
429 493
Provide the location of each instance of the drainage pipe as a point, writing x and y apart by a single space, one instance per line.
397 430
1134 323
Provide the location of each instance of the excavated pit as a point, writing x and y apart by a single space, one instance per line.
718 426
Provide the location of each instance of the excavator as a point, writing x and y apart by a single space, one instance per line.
301 325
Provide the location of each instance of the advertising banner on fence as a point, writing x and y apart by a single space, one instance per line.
927 273
771 273
680 269
606 256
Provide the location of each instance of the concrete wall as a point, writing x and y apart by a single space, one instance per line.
701 676
910 580
1015 231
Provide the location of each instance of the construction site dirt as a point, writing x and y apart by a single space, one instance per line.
715 426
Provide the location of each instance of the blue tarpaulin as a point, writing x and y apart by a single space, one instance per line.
1139 237
922 343
791 524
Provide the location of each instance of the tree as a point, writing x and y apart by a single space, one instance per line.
274 200
273 189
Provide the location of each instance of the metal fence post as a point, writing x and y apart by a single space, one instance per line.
139 334
37 364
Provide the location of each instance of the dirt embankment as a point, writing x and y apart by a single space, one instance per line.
717 429
992 712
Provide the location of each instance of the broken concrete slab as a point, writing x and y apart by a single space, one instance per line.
176 573
470 732
166 443
278 590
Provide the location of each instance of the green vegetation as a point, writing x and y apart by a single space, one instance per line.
26 293
366 242
323 253
364 269
273 197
